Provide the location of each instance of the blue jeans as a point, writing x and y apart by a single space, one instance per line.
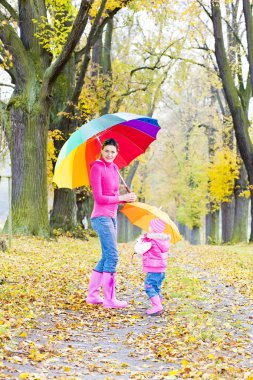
153 283
106 228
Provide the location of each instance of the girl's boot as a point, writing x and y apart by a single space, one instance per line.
94 288
110 301
157 305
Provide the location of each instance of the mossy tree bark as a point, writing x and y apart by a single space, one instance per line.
195 236
63 213
33 74
227 220
29 169
240 231
212 227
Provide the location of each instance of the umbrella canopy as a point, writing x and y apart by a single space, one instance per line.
141 214
134 133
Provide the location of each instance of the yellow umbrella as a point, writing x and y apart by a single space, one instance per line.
140 214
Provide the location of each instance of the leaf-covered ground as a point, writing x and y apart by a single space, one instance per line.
47 331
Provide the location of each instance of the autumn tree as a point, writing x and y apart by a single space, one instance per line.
237 103
198 41
34 74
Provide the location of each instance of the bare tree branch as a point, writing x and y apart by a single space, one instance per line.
133 91
78 27
97 26
21 58
158 60
190 61
96 30
154 67
205 9
9 8
237 37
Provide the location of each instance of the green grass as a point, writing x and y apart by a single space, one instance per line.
240 249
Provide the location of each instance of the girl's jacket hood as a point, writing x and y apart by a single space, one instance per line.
161 239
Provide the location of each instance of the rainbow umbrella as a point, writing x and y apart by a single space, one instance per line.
134 133
141 214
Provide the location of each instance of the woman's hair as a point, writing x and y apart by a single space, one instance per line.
111 142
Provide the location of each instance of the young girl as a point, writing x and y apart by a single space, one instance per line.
154 247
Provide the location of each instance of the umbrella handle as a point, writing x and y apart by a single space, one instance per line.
124 182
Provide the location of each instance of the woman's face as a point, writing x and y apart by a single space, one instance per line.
109 153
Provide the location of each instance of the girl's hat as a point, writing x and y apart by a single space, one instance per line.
157 225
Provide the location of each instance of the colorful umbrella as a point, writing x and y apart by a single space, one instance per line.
141 214
134 133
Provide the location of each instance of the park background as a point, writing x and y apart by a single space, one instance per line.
188 64
150 60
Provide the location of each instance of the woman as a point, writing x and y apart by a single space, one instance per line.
105 187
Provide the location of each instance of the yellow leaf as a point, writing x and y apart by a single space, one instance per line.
23 335
211 356
24 375
66 369
173 372
185 363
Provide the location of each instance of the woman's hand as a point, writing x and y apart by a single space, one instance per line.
129 197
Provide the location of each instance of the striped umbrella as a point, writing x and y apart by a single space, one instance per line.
140 214
134 133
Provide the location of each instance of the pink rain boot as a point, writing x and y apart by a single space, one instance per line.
94 288
110 301
157 305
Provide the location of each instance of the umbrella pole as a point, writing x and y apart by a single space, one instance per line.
124 182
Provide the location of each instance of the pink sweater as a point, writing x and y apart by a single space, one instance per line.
105 186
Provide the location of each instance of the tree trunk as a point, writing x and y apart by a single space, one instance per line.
84 207
238 105
107 64
64 206
247 10
251 226
183 230
64 213
29 169
227 218
195 236
212 227
240 231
